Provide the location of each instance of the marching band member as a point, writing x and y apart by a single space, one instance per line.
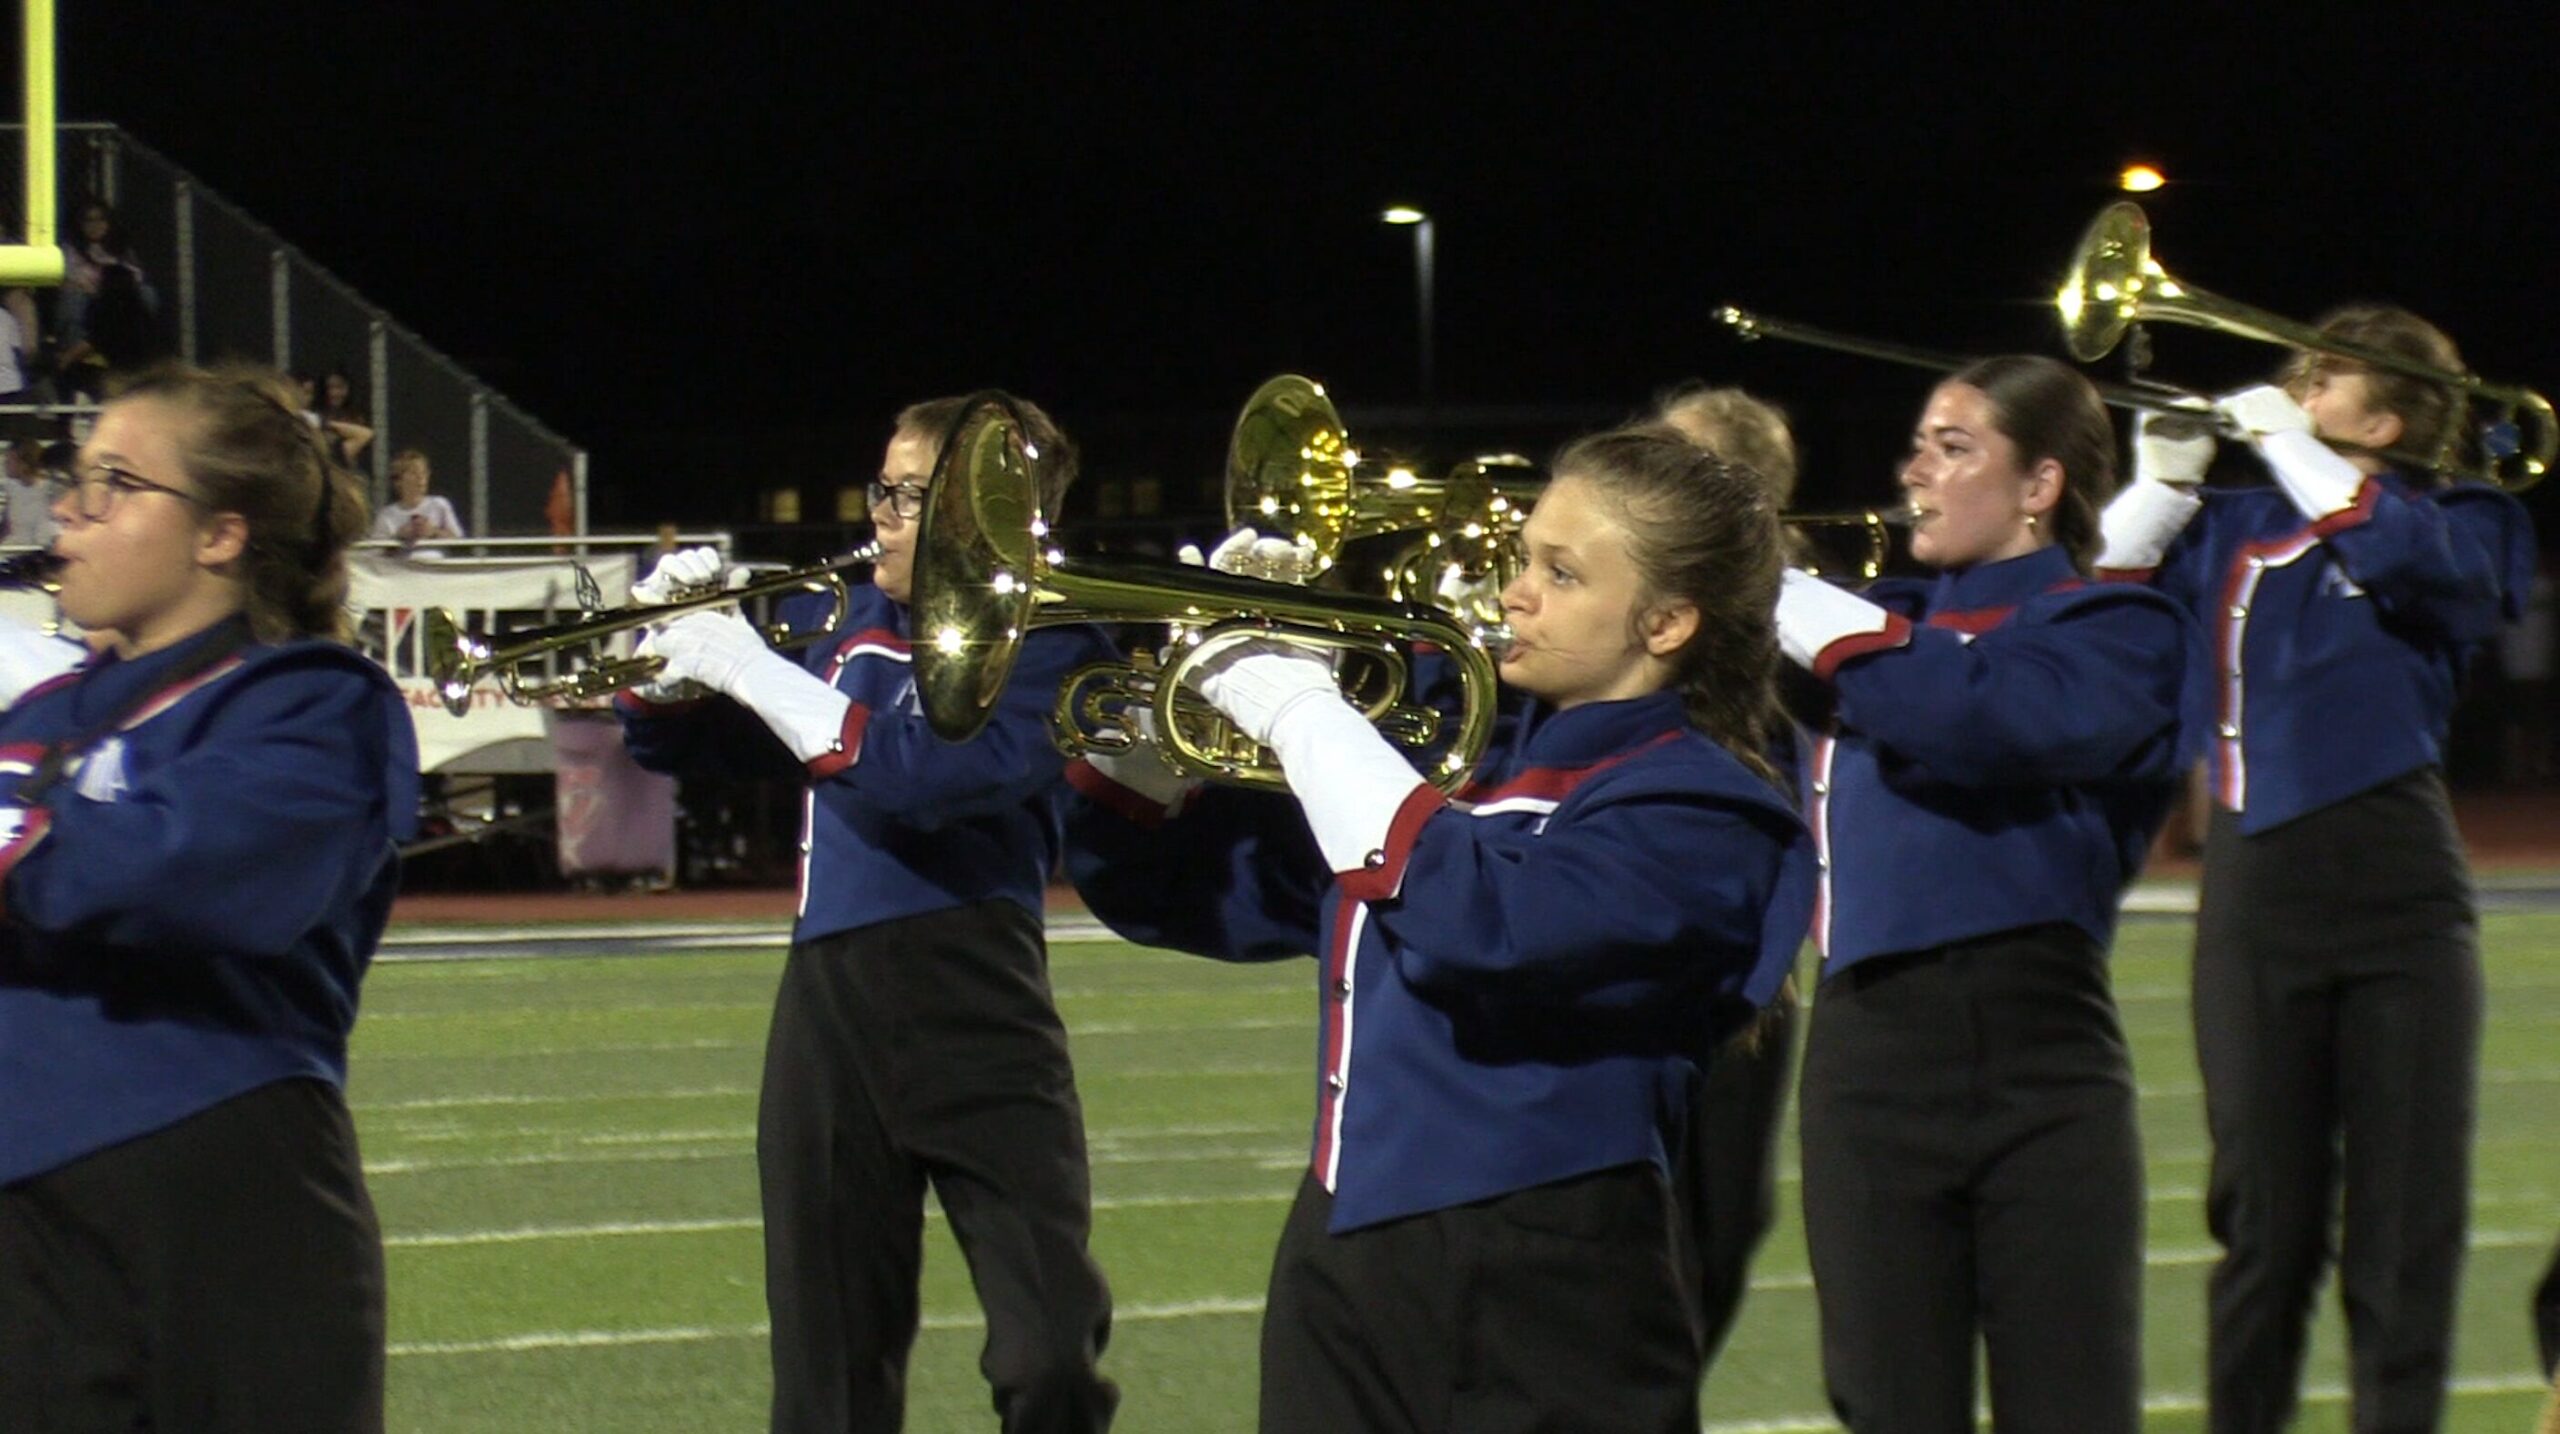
2337 968
2005 743
1726 1169
1513 984
915 1040
198 863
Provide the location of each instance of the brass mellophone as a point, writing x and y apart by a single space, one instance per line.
985 578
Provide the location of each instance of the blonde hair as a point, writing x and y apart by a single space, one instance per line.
1737 428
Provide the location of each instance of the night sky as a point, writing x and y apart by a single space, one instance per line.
715 241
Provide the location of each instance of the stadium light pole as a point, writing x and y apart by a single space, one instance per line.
1419 222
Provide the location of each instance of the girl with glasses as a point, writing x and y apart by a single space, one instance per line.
915 1041
196 859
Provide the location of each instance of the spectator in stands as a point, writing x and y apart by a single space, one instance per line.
23 500
414 515
341 418
108 309
17 345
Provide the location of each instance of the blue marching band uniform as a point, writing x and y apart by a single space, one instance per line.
2005 745
2337 996
1510 997
192 900
915 1039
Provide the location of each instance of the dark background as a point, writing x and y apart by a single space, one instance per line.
719 245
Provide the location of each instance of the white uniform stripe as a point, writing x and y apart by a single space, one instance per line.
1357 923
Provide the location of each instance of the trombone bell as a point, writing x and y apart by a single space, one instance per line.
2114 282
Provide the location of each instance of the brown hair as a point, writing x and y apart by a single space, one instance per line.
2429 413
1738 427
407 456
251 452
2048 410
1701 530
1055 468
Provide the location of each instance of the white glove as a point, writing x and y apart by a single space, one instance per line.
2263 410
2173 448
1247 553
1256 682
1141 767
1813 615
1351 782
681 572
2141 521
2318 478
717 648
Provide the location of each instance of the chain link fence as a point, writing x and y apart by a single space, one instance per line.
230 287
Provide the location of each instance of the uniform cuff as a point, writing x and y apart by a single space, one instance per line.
2140 524
2319 481
1821 626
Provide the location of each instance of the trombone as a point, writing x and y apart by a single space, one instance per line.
457 660
2114 283
985 578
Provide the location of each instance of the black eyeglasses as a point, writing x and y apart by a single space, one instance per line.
93 494
906 499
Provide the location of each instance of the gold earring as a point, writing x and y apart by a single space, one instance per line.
2031 520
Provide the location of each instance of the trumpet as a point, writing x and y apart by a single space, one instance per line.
457 660
984 579
2115 283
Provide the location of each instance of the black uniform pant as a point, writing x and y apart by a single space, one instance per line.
222 1276
1972 1167
921 1050
2546 1316
1554 1309
2337 1014
1724 1170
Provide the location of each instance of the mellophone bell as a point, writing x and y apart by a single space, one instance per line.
985 577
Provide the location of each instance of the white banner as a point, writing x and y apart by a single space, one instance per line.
491 597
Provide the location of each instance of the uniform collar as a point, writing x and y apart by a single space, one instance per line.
1593 730
2006 583
108 680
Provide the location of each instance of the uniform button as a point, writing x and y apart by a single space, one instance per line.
804 848
1822 789
2229 729
1375 859
2257 562
1333 1080
2239 611
1342 990
1824 863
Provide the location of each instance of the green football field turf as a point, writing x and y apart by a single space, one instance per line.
562 1153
